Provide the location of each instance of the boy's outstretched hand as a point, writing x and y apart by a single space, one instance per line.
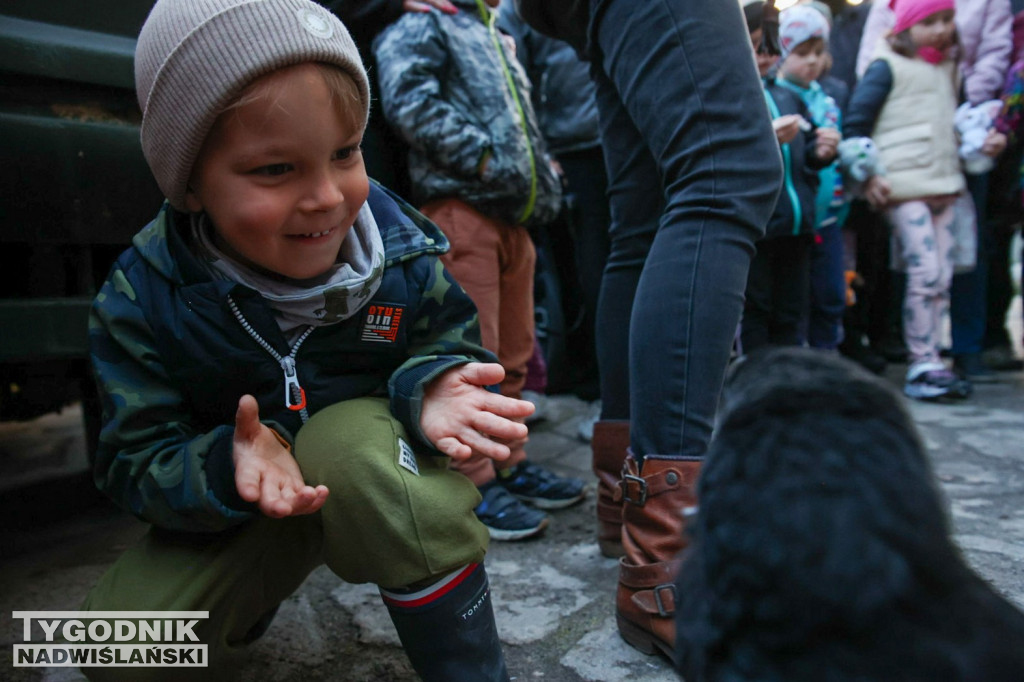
265 472
461 417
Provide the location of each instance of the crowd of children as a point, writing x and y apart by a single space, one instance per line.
901 110
291 356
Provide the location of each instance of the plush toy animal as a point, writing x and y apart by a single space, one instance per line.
821 548
858 161
972 125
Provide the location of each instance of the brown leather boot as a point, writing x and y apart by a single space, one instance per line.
653 502
609 445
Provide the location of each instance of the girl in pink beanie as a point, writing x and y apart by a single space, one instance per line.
925 27
905 103
910 12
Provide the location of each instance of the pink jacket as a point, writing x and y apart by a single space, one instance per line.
985 43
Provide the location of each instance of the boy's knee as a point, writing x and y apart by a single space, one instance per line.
326 445
394 515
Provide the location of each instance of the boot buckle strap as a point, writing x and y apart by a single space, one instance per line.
628 484
671 590
660 599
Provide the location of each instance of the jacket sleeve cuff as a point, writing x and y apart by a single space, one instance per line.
220 477
408 387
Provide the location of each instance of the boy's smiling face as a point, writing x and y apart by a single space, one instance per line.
281 176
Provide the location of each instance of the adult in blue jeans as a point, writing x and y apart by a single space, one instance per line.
693 174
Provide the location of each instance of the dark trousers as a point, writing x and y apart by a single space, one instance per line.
880 302
589 219
587 184
828 289
1004 218
968 294
999 291
777 293
693 173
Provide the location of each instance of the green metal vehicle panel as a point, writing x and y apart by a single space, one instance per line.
74 186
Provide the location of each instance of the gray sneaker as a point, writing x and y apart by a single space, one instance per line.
932 381
540 406
585 429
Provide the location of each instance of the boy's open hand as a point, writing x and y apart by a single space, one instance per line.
461 417
265 472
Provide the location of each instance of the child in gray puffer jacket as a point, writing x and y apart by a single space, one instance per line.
451 86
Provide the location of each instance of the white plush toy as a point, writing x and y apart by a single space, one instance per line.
858 161
972 126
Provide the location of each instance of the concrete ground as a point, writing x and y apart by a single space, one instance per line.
553 595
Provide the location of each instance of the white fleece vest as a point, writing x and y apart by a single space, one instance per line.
914 132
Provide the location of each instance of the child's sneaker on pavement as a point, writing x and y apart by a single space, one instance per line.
505 516
932 381
540 406
542 488
585 429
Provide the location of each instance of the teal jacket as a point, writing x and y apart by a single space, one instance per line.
831 205
794 210
172 359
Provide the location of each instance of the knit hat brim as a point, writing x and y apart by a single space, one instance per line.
798 24
910 12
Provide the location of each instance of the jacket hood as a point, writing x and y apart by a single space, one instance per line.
406 233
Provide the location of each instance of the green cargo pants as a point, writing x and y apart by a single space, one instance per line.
393 518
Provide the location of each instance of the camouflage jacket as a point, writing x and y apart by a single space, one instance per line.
452 89
172 360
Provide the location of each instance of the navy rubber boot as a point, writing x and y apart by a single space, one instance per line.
453 638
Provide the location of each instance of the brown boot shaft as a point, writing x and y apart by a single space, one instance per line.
653 506
653 536
609 446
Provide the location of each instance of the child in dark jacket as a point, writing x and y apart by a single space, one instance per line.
452 88
779 281
282 359
803 39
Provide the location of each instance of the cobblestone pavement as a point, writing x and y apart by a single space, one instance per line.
553 595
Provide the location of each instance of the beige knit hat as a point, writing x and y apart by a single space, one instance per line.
194 57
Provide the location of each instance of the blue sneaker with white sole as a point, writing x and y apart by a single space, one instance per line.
506 517
542 488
